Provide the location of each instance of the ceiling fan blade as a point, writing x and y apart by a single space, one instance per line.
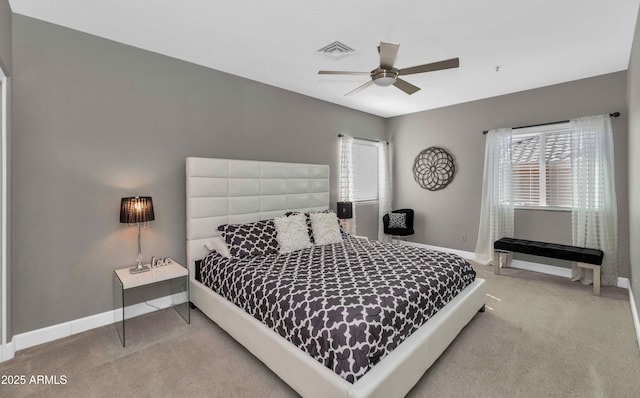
446 64
337 72
360 88
406 86
388 53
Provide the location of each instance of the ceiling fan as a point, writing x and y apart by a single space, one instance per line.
386 75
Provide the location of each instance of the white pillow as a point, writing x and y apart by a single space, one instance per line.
218 244
325 228
292 233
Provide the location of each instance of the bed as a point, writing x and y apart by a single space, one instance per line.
222 191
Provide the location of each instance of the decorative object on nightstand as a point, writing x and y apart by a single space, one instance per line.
137 209
160 262
345 213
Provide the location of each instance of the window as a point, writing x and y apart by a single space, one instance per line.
365 170
541 160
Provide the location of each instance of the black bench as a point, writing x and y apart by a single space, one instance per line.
583 256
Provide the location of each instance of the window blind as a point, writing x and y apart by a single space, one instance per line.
558 169
365 171
525 151
541 160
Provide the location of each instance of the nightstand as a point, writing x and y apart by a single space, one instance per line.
125 284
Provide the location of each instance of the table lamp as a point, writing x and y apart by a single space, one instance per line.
345 214
345 210
137 209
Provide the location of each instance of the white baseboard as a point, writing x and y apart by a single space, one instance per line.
557 271
634 313
50 333
624 283
7 351
461 253
542 268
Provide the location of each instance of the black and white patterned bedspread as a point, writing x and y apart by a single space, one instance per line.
347 304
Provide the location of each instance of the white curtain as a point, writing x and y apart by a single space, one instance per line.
345 177
385 188
594 216
496 213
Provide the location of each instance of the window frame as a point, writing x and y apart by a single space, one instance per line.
542 132
374 144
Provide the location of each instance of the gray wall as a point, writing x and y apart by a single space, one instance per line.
633 85
367 219
95 121
5 36
444 217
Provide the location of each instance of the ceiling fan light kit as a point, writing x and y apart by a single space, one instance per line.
383 78
386 74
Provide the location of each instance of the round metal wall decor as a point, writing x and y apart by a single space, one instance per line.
433 168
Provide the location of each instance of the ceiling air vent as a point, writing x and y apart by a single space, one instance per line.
336 50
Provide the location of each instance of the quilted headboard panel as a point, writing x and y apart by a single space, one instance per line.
224 191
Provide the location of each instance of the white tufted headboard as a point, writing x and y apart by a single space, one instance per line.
224 191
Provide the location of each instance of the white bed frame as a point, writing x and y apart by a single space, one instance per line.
221 191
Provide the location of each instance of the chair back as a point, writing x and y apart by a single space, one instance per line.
399 231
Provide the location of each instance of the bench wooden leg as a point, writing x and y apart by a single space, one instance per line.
596 276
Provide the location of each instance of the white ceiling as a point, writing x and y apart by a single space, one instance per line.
535 42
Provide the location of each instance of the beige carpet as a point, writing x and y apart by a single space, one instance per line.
541 336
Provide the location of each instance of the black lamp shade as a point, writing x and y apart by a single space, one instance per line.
345 210
136 209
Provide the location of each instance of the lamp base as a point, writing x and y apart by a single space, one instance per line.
139 269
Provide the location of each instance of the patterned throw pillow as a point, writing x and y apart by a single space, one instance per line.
397 220
326 229
250 240
292 233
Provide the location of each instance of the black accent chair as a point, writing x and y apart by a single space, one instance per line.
399 231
